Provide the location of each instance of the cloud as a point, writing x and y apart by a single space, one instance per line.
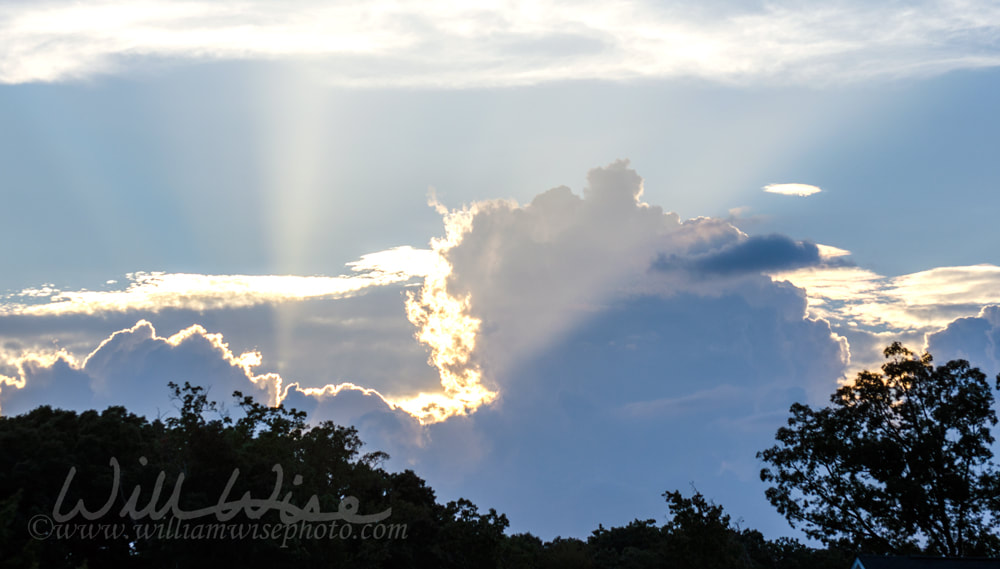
650 392
828 252
569 382
528 273
158 291
515 276
801 190
131 366
301 312
440 44
918 302
755 254
520 277
445 326
975 339
566 369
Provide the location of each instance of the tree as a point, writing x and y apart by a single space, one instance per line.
900 461
701 534
322 461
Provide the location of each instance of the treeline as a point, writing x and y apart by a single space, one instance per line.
199 489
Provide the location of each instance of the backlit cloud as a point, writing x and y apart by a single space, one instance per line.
444 44
133 366
159 291
529 345
515 277
801 190
526 275
917 302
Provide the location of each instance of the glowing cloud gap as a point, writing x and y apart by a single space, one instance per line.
447 328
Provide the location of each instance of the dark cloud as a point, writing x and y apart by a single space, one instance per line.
755 254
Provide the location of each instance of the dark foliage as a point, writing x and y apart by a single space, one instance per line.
900 462
201 451
205 453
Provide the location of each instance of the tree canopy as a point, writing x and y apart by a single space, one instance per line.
899 462
204 449
201 447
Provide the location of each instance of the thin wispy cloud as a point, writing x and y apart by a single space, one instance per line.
801 190
916 302
156 291
443 44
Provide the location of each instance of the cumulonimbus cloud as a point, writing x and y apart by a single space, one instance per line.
513 276
444 44
506 281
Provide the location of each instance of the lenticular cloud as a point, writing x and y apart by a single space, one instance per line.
801 190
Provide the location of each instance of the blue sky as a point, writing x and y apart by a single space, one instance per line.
527 250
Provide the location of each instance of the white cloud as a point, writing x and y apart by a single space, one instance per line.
514 276
522 277
132 367
919 302
801 190
439 43
828 252
158 291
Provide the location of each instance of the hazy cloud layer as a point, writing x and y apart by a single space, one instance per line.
440 44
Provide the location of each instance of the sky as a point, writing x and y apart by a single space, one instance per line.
558 259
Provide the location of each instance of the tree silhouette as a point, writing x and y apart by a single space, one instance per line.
201 445
899 462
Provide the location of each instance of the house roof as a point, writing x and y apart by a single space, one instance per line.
923 562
